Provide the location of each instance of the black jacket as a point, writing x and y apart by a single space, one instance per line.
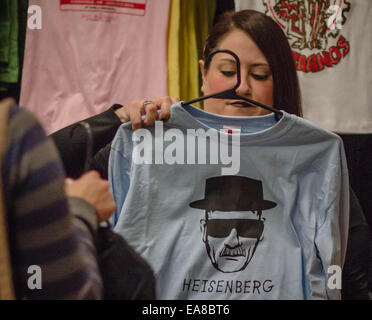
71 142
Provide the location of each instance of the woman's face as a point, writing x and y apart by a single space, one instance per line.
256 78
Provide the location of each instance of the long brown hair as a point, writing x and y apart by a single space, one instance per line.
273 43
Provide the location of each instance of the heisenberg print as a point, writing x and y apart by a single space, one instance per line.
313 29
233 225
255 287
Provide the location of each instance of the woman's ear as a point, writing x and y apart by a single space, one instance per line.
203 73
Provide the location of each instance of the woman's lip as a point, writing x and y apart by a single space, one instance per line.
241 104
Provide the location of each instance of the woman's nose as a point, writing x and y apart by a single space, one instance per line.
244 88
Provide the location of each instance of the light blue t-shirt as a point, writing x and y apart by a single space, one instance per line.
257 212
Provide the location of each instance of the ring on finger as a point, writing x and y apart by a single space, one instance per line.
145 103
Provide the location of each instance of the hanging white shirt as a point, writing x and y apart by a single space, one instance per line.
332 48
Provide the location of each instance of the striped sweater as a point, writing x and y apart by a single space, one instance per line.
42 229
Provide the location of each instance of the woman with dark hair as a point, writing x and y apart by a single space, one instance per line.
271 69
272 42
273 226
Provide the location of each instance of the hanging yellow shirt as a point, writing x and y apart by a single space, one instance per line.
189 23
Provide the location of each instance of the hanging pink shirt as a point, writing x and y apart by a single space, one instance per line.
90 54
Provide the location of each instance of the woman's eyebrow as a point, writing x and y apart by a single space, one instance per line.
227 60
260 64
257 64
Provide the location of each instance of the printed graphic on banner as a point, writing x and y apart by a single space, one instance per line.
313 29
133 7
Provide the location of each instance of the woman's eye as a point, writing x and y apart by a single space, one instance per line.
260 76
228 73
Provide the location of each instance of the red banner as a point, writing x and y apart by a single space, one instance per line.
136 7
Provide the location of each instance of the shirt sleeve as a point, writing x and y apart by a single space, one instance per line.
120 165
43 231
332 229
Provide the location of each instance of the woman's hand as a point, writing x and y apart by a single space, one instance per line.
95 190
134 111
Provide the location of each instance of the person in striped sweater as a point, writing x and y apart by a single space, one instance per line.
48 215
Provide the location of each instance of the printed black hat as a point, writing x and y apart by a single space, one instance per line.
233 193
